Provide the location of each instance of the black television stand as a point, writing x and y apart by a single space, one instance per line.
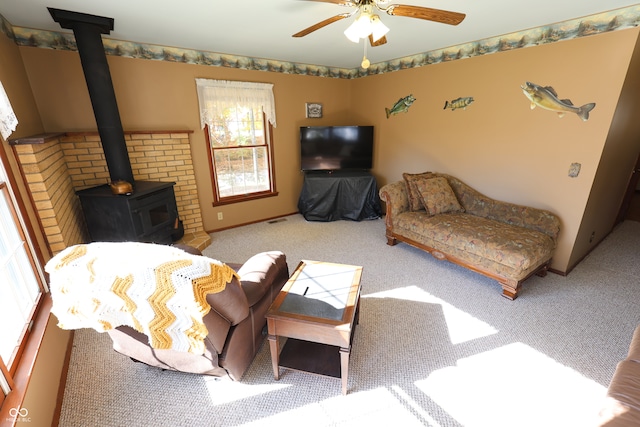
331 195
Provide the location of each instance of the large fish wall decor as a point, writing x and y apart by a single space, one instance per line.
547 98
401 106
458 103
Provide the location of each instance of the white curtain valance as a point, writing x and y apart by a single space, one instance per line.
216 95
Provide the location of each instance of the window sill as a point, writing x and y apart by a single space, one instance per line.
27 361
243 198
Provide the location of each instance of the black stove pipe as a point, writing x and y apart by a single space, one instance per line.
87 29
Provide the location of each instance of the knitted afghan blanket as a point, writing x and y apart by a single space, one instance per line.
158 290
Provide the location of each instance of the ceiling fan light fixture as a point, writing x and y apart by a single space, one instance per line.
352 33
378 29
360 28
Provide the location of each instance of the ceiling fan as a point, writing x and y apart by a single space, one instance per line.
368 23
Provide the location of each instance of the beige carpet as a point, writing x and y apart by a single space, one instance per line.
437 345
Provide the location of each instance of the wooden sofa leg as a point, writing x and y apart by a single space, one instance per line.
543 271
509 291
391 241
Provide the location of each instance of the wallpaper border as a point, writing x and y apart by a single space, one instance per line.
580 27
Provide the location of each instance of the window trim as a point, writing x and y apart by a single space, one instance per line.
219 201
24 367
4 188
30 346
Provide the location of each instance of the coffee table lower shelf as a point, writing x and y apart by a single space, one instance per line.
313 357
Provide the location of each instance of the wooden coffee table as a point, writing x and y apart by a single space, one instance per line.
316 311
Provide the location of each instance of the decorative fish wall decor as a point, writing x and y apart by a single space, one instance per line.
458 103
547 98
401 106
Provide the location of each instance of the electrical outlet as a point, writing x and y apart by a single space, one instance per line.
219 216
593 235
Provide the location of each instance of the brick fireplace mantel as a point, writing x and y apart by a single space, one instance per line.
56 165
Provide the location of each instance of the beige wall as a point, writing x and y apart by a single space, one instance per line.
16 85
41 396
46 377
499 145
162 95
616 165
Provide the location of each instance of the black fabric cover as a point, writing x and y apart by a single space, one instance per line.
331 196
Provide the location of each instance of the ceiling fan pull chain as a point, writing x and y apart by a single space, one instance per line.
365 62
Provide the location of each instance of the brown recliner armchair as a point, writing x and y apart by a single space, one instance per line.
235 323
621 408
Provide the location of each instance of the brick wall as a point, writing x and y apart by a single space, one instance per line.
43 166
57 165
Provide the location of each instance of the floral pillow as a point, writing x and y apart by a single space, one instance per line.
415 201
437 196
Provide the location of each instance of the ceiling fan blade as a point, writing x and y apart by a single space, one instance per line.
338 2
436 15
321 24
382 40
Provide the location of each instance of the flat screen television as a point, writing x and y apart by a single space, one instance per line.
331 148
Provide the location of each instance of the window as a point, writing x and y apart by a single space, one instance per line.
21 285
238 118
21 289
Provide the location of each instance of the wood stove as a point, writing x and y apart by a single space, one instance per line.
147 214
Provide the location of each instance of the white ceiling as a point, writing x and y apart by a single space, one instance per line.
263 28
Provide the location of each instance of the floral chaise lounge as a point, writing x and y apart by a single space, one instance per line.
445 217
